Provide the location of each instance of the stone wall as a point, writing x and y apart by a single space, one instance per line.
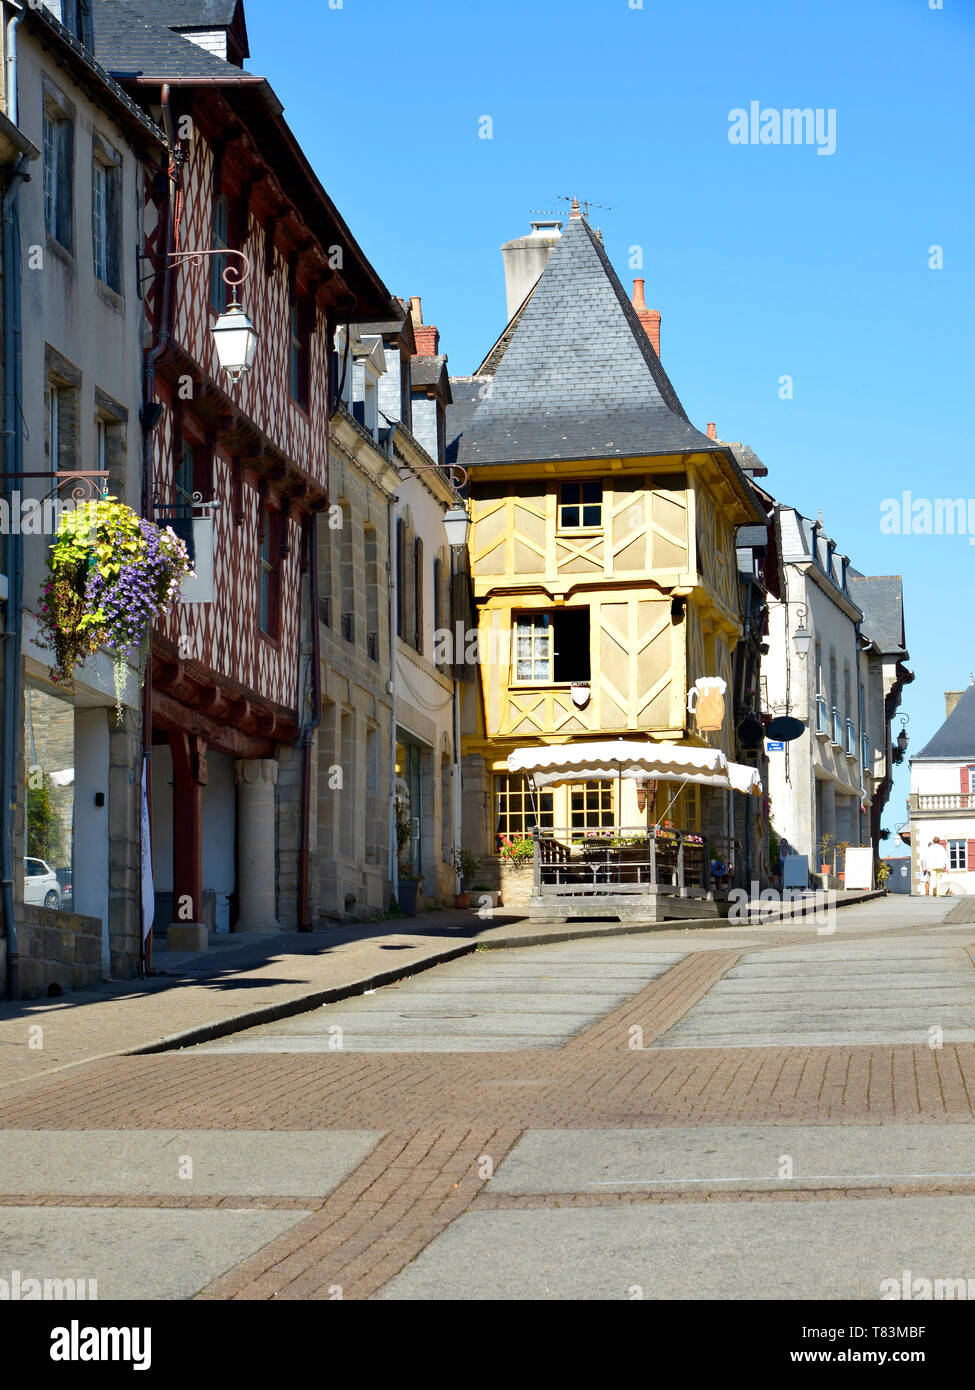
57 948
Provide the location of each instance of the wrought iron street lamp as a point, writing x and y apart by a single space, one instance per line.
457 520
234 335
802 637
903 738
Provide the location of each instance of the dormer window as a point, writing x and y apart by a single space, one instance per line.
581 506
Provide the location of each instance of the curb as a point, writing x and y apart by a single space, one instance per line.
288 1008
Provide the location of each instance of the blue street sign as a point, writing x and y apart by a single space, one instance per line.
774 747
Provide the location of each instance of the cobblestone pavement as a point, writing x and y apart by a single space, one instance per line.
486 1173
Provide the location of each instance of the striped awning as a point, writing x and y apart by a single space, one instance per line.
554 764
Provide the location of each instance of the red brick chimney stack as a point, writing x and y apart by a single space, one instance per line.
426 335
712 430
650 318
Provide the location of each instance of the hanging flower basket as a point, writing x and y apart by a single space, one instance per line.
112 574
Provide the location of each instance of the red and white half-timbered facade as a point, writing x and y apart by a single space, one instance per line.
233 680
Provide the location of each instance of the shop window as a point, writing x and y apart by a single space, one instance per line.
517 809
49 776
591 805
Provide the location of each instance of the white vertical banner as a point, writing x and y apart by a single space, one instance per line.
148 893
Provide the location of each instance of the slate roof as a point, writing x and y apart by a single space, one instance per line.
189 14
748 461
881 600
430 371
86 69
127 43
956 737
466 397
580 378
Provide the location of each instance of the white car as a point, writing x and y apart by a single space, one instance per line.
41 887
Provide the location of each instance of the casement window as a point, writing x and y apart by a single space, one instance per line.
580 506
516 810
62 422
299 358
58 168
591 805
106 213
373 594
957 854
551 647
269 573
220 241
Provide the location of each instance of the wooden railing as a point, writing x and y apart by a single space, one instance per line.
579 863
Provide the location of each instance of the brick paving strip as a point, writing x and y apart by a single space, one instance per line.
240 987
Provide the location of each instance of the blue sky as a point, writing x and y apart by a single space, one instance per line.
764 260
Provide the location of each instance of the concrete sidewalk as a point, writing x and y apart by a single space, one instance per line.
243 981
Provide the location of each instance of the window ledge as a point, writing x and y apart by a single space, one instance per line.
61 253
569 532
109 297
547 685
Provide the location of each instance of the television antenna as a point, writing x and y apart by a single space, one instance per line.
583 204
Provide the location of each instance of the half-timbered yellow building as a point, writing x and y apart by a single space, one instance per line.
602 552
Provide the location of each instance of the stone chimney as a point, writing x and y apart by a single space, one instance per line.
427 337
951 699
524 260
650 318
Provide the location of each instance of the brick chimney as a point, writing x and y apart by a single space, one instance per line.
426 335
712 430
650 318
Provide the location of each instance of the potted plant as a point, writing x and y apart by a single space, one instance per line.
825 844
841 849
883 874
466 866
517 849
112 573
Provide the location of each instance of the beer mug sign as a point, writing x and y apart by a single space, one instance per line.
705 701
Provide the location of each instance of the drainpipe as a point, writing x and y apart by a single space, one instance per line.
13 465
152 359
13 24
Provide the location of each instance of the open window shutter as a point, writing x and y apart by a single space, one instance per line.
401 578
970 861
461 609
418 595
965 781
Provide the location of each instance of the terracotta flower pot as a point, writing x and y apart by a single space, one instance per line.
462 900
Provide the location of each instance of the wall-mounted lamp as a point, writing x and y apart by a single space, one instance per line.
802 637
